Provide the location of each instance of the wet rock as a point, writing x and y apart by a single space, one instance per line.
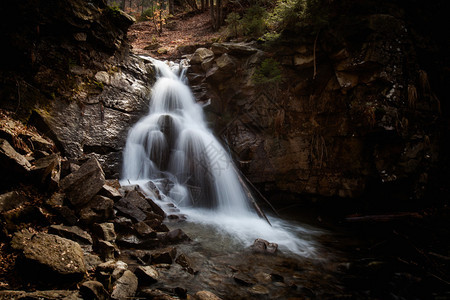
134 242
163 256
93 290
125 286
243 279
156 294
98 210
48 170
200 55
81 186
11 200
73 233
13 165
105 231
263 246
205 295
133 206
185 262
259 290
175 236
146 275
53 258
144 231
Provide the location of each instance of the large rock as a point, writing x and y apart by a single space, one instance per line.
125 286
73 233
93 290
11 200
200 55
13 166
48 170
51 258
99 209
82 185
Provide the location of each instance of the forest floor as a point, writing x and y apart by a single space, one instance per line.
180 30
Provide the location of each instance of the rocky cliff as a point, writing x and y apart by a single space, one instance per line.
355 113
69 73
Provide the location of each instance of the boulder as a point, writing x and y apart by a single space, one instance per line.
200 55
125 286
205 295
185 262
146 275
133 206
163 256
51 258
106 250
73 233
225 63
263 246
98 210
13 166
93 290
144 231
82 185
105 231
134 242
48 170
110 192
176 236
11 200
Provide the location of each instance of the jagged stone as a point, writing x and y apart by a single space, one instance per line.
146 275
48 170
106 250
200 55
93 290
125 286
157 294
98 210
13 166
110 192
134 242
82 185
176 236
91 261
105 231
263 246
73 233
185 262
205 295
52 258
134 206
143 230
163 256
11 200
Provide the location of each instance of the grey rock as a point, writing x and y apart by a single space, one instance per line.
146 275
11 200
98 210
200 55
105 231
12 164
57 258
106 250
73 233
82 185
263 246
93 290
125 286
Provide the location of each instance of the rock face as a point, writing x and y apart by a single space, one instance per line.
348 117
101 91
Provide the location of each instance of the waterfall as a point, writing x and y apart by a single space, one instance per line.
174 150
174 142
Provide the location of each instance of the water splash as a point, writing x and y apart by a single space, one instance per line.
173 147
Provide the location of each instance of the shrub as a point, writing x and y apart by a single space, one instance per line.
234 24
147 14
254 21
268 73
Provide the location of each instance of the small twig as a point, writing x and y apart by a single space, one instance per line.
314 55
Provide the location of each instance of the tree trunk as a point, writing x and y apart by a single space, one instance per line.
202 5
171 7
123 5
218 14
213 19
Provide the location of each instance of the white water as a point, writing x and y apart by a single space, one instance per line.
173 148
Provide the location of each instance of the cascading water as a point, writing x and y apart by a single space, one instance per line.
173 148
